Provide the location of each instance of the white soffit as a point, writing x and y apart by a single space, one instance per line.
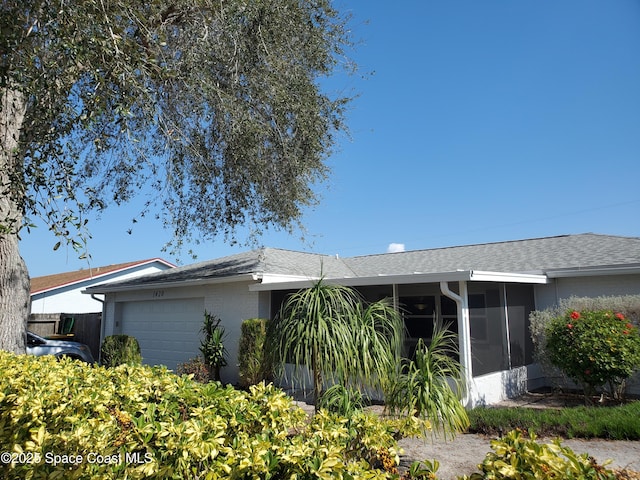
275 283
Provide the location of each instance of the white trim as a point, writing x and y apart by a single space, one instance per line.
268 278
417 277
505 313
97 276
464 334
506 277
176 283
630 269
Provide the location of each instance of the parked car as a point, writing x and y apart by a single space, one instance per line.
37 345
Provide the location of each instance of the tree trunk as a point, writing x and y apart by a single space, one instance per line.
14 277
317 378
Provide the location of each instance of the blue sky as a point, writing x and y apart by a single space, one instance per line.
476 121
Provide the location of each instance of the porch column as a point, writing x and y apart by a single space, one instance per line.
464 333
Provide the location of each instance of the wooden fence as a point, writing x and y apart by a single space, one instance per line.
85 327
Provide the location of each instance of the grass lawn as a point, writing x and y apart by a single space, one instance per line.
620 422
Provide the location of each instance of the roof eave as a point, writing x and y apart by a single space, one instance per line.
630 269
111 288
417 277
92 277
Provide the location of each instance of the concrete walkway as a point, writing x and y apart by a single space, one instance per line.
461 455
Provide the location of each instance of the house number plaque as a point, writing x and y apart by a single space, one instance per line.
158 293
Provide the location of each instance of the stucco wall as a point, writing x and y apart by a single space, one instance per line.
549 295
231 302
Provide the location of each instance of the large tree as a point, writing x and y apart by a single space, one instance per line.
213 105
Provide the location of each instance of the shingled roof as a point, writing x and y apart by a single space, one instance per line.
271 261
535 256
532 256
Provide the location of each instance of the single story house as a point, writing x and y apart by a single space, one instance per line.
62 292
486 291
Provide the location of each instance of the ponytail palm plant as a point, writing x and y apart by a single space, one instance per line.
332 332
431 385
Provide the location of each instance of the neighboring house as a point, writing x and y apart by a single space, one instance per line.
485 291
62 292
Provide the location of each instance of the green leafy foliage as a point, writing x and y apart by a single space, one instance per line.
329 330
628 305
120 349
342 400
213 113
147 423
253 364
212 345
213 105
594 348
516 456
423 386
425 470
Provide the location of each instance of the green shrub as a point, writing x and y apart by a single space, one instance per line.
120 349
212 346
252 362
629 305
196 368
66 419
516 456
594 348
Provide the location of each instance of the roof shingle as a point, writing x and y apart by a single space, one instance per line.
534 256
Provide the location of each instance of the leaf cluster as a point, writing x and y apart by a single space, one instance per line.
179 428
213 108
195 368
431 385
212 345
628 305
517 455
120 349
330 330
253 364
342 400
594 348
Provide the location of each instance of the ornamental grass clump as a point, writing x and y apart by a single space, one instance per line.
595 349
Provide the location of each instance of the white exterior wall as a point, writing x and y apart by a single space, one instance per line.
561 288
70 299
231 302
495 387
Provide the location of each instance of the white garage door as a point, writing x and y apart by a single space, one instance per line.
168 330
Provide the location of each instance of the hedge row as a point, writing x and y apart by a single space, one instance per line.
66 419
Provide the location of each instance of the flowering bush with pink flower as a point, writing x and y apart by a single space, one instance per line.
594 348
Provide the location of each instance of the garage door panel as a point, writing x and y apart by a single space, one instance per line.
168 330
